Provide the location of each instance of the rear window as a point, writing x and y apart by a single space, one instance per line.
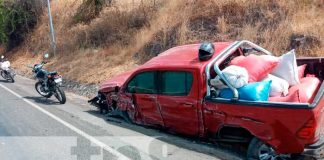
176 83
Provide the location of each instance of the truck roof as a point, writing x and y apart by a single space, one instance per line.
175 58
185 56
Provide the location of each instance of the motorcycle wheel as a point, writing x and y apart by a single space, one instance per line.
10 78
3 75
60 95
39 88
7 76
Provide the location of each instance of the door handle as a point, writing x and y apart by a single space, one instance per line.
149 97
214 112
152 97
219 113
188 104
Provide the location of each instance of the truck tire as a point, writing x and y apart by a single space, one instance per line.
258 150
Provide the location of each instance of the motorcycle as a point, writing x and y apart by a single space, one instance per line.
54 83
6 71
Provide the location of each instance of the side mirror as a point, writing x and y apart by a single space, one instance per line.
46 55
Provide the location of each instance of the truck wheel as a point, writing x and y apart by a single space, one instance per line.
258 150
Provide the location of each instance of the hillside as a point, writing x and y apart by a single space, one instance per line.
96 41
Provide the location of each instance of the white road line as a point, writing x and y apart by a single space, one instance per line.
85 135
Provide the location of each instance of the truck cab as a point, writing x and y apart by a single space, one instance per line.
172 91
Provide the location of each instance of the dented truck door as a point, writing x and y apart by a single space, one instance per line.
143 86
178 101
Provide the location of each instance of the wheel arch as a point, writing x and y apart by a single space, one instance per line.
234 133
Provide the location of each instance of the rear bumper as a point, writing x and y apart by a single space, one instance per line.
315 150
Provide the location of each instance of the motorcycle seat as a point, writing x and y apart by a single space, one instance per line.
53 73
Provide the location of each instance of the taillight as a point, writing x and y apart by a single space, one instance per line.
308 131
57 76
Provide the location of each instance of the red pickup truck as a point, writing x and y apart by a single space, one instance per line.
172 91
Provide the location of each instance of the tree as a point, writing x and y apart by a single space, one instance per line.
16 19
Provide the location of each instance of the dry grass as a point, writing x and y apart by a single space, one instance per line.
129 32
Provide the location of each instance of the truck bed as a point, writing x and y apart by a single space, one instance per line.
285 119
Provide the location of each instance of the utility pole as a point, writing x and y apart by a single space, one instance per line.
53 41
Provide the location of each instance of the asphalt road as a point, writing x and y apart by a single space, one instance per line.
36 128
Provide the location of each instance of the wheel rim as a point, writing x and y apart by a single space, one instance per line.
268 153
39 89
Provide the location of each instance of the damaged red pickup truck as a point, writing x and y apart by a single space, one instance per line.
172 91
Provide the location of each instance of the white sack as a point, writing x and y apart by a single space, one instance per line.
279 86
287 68
236 76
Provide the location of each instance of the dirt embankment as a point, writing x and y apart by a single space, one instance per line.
98 39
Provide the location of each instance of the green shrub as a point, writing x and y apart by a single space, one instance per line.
17 17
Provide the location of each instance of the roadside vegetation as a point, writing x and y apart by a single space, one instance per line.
17 18
97 39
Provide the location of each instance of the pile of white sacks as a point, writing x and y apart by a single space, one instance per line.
283 75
